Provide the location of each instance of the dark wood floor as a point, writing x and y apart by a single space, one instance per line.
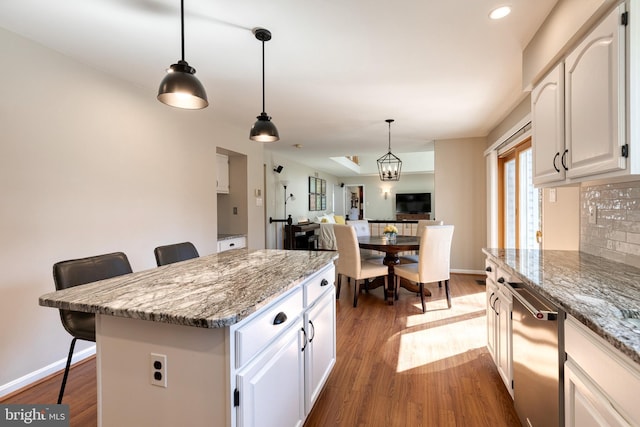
396 366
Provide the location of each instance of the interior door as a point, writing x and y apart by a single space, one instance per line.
338 200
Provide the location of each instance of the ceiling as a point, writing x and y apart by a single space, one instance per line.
335 69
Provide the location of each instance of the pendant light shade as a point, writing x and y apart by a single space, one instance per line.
263 130
389 165
180 87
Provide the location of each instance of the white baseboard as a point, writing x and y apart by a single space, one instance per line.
481 272
44 372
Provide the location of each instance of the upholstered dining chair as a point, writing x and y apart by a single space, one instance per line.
176 252
350 263
433 263
422 223
67 274
362 229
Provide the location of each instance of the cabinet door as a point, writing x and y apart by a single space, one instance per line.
595 100
504 354
320 351
492 295
222 173
272 388
547 115
585 405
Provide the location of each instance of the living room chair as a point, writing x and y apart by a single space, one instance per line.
176 252
351 264
434 261
67 274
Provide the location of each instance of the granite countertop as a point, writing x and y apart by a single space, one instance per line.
210 292
230 236
599 293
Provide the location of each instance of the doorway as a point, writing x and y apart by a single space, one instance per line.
354 202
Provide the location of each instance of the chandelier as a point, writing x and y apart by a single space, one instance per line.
389 165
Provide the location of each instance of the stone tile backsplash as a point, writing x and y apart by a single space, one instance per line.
615 233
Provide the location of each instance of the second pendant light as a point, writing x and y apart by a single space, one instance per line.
263 130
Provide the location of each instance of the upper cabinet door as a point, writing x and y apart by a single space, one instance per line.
547 115
222 173
595 100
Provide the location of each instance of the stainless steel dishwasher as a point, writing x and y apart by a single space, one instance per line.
538 359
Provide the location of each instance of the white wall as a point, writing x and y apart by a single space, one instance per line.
91 165
297 176
567 22
561 219
376 206
460 190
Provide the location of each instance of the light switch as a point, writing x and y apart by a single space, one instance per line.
593 214
258 201
552 195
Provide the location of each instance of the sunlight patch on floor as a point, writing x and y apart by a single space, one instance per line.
437 309
440 334
436 344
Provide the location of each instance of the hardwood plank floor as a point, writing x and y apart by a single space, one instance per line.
396 366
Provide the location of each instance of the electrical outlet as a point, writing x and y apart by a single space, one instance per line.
158 371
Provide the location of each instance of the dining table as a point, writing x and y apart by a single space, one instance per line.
391 247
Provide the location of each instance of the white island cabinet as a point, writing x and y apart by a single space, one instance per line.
246 338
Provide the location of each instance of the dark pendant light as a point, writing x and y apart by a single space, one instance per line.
180 88
389 165
263 130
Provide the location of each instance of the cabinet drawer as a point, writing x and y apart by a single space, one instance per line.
317 285
259 331
491 269
502 277
235 243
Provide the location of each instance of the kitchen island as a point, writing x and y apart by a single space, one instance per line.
243 338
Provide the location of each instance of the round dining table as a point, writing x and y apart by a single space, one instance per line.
391 248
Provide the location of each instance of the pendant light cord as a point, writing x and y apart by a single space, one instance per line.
263 96
182 25
389 137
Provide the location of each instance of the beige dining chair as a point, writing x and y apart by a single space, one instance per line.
433 263
362 229
422 223
351 264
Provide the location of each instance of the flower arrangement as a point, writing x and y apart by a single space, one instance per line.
390 229
390 232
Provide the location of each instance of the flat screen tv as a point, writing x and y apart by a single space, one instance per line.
413 203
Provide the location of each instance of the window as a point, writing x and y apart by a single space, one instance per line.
519 201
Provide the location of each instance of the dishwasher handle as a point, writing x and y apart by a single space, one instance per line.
543 313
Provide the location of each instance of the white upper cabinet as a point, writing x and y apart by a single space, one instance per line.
580 111
222 173
595 100
547 114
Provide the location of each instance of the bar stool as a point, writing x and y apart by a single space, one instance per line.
67 274
176 252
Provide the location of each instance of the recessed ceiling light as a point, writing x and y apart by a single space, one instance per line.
297 145
500 12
